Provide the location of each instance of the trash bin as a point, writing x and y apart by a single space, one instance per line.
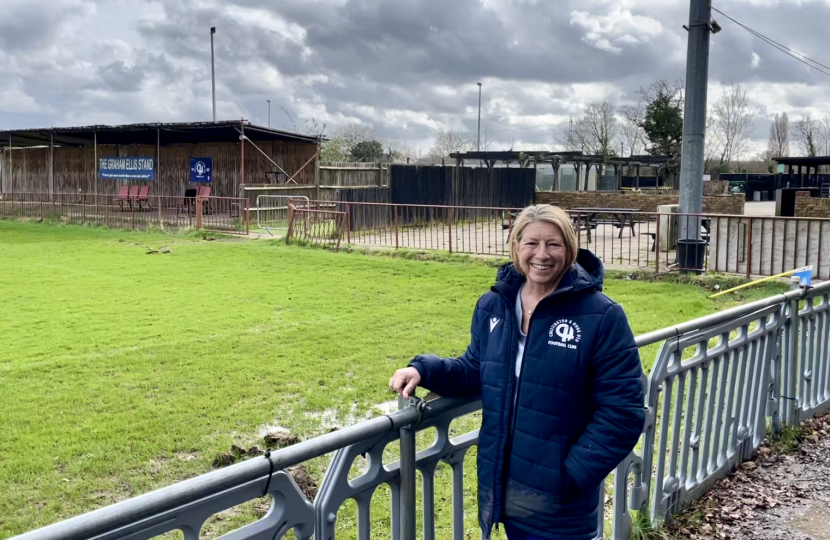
691 255
756 197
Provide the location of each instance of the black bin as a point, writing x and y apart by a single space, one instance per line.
691 255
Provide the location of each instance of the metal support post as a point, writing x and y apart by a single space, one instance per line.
408 478
694 122
789 356
242 153
213 73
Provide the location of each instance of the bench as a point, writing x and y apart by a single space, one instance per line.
653 236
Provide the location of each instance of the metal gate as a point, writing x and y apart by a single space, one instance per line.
272 211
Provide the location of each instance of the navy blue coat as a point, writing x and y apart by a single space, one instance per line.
578 401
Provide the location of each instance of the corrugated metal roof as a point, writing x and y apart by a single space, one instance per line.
171 133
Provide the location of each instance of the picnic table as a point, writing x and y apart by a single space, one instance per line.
587 219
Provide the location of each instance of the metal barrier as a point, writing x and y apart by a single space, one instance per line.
272 210
228 215
316 227
745 245
717 383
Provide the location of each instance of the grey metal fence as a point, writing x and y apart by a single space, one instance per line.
272 210
717 384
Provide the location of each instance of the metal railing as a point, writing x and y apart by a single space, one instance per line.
717 384
272 210
228 215
745 245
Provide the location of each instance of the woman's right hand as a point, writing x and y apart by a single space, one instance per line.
405 381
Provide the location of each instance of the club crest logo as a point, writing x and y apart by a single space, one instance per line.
564 333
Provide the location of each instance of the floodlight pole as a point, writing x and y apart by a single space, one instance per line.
213 71
478 139
694 121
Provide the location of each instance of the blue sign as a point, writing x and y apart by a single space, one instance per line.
200 169
805 277
127 168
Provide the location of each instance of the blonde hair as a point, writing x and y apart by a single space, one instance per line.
544 213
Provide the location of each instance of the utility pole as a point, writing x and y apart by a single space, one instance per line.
213 71
694 117
478 140
269 113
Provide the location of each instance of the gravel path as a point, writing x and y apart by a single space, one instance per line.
777 496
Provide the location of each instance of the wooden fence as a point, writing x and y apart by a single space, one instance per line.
354 174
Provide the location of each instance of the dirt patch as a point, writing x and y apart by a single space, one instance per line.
273 441
307 484
280 440
773 497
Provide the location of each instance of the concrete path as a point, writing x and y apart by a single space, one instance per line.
764 208
778 496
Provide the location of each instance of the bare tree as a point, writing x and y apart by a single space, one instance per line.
488 139
451 142
779 137
311 127
631 127
712 143
399 151
804 132
354 133
823 136
597 129
733 115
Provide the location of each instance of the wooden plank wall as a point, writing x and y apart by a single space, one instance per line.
75 167
354 174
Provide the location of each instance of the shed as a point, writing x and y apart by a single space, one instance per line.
73 159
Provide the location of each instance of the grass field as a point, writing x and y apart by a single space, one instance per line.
123 371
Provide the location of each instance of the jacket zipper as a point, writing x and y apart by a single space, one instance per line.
515 396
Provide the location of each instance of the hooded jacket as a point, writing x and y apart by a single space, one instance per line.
550 437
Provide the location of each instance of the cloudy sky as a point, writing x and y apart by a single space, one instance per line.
407 67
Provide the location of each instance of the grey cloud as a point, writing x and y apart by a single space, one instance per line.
33 24
384 54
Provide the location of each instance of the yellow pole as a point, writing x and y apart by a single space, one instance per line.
770 278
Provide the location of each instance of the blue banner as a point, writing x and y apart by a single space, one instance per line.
127 168
200 169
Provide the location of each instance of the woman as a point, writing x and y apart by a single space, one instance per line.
559 374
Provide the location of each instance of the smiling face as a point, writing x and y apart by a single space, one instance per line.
542 253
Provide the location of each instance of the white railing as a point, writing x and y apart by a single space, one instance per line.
716 385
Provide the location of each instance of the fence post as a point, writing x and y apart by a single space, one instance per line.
748 250
198 212
397 238
161 220
408 478
83 208
290 223
790 358
657 245
247 217
450 228
349 223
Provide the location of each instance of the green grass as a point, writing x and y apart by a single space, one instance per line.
122 371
